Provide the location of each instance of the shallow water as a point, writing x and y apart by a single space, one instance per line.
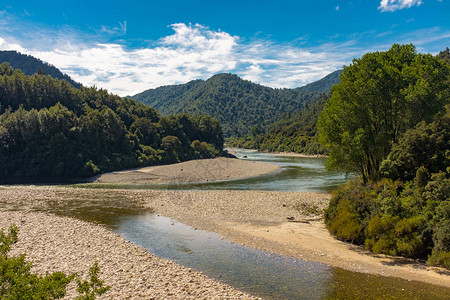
256 272
250 270
296 174
260 273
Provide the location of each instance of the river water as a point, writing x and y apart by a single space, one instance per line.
296 174
256 272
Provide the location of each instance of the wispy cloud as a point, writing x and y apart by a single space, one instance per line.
194 51
119 30
393 5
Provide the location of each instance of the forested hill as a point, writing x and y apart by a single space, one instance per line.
50 130
238 104
323 85
30 65
445 55
292 133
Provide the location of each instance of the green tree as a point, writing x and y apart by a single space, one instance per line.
17 282
380 96
16 279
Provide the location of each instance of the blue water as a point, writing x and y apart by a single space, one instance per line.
254 271
260 273
296 174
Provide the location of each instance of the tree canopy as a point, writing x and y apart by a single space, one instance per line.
238 104
398 122
379 97
30 65
51 130
294 132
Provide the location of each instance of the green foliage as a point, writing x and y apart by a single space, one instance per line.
16 279
445 55
17 282
426 145
88 290
292 133
395 236
238 104
30 65
379 97
395 218
51 131
345 224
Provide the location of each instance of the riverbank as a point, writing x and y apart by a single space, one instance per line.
234 151
68 245
279 222
216 169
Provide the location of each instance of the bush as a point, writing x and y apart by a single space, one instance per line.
17 281
409 219
345 224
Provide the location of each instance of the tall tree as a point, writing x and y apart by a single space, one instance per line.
379 97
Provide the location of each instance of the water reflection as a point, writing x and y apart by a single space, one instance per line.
250 270
296 174
261 273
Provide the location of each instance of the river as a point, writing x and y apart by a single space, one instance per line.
257 272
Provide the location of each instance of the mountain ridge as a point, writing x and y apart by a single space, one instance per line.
237 103
30 65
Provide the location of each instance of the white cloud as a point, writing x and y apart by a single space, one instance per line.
191 52
393 5
197 52
115 31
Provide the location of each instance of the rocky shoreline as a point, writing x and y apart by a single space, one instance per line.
255 218
216 169
65 244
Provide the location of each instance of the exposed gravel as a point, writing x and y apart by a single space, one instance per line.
69 245
190 171
255 218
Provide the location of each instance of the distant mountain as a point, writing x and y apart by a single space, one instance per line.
292 133
30 65
323 85
445 55
237 103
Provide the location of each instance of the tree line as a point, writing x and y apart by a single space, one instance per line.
238 104
388 120
30 65
294 132
51 130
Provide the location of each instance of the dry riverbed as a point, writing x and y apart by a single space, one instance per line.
69 245
190 171
254 218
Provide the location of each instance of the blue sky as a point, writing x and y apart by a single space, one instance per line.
129 46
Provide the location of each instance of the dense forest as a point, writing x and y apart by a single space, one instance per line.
292 133
388 120
51 130
30 65
323 85
445 55
238 104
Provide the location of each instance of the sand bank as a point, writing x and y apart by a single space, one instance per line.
216 169
68 245
254 218
234 151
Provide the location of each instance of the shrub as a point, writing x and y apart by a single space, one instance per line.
16 279
344 223
17 282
